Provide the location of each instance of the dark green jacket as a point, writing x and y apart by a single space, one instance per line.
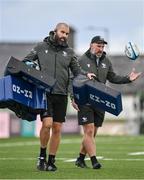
103 71
55 60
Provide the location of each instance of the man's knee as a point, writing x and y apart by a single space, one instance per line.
89 130
47 122
56 128
90 133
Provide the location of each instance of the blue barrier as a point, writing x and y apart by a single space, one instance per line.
97 95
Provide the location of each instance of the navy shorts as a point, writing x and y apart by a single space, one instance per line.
57 106
88 114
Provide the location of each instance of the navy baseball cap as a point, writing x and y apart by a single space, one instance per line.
98 39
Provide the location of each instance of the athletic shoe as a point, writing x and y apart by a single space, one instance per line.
80 163
41 164
97 165
51 167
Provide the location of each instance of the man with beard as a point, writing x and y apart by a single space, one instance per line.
56 58
96 61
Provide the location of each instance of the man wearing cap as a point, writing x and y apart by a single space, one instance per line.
96 61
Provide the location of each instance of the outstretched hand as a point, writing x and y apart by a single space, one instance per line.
133 75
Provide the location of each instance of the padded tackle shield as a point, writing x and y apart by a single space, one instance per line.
80 89
25 99
30 74
104 97
97 95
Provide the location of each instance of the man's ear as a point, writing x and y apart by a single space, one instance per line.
55 31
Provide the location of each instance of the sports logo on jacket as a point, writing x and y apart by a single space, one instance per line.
64 53
46 51
103 65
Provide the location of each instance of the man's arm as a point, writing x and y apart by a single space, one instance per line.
133 75
117 79
32 59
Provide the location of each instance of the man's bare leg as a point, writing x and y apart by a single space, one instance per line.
44 139
54 144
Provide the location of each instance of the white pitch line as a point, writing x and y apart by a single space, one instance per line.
136 153
23 159
126 159
13 144
31 143
72 160
12 158
107 159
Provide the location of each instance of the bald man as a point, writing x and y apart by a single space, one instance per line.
56 58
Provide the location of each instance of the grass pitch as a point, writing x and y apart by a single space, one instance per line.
122 157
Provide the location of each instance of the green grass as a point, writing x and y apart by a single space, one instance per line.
18 158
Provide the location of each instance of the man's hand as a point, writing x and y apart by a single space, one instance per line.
75 106
91 75
133 75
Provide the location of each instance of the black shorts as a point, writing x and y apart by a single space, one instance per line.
88 115
57 106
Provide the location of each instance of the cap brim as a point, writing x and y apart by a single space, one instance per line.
104 42
100 42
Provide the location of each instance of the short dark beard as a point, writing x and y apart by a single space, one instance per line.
59 42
